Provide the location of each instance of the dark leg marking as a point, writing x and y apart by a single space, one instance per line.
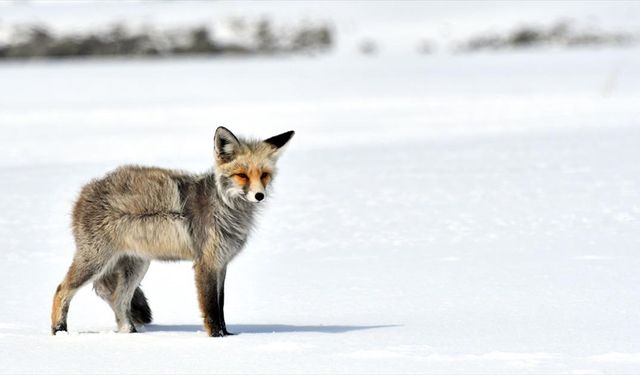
207 283
221 281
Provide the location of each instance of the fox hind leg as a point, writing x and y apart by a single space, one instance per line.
82 270
120 289
140 310
105 286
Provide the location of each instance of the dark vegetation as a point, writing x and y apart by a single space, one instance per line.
244 37
561 34
259 37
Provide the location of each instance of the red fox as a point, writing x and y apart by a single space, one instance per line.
135 214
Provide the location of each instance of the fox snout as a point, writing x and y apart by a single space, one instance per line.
255 197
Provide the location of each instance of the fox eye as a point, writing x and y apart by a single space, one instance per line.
242 175
264 175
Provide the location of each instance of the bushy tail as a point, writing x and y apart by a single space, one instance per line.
140 311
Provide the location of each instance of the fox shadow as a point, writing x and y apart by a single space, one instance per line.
266 328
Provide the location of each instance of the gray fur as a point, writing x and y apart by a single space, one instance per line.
136 214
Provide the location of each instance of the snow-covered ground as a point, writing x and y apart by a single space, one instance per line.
443 213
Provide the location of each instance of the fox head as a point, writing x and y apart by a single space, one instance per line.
245 168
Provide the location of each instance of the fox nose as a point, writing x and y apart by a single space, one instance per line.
259 196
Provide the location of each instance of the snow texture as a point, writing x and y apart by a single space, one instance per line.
445 213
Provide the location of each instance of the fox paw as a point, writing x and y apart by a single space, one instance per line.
217 333
59 327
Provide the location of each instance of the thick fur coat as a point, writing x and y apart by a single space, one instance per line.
137 214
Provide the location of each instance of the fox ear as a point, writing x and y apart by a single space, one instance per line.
279 141
226 144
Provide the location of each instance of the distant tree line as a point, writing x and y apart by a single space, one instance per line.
254 38
560 34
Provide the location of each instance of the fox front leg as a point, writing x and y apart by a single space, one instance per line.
222 274
207 285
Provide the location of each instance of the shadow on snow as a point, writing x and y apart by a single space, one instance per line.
264 328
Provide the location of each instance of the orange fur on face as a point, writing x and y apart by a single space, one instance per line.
251 176
254 175
251 168
265 177
241 181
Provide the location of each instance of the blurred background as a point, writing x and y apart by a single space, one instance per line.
376 70
462 193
